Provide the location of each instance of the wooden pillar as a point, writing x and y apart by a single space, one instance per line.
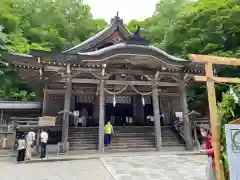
156 117
96 110
38 141
44 103
215 123
101 117
187 123
135 110
67 105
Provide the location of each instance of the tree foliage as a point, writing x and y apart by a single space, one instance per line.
154 28
43 25
206 27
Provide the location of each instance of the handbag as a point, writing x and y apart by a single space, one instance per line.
33 144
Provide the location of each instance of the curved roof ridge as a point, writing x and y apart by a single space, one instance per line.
121 45
166 54
116 23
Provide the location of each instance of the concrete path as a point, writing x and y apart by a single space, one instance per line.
91 169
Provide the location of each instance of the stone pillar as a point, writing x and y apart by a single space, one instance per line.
45 103
67 106
156 113
187 123
101 117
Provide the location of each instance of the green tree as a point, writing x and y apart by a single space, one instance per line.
3 40
155 27
41 24
206 27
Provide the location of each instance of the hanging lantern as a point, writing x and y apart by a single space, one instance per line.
40 72
68 69
114 100
143 101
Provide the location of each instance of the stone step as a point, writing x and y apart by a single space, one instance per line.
123 134
148 149
125 144
124 139
83 148
119 129
126 148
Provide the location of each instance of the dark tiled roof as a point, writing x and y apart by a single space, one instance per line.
116 23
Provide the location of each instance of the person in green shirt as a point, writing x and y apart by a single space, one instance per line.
108 130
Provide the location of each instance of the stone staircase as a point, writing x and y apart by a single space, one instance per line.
83 138
125 138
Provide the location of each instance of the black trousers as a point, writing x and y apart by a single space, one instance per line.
21 155
43 149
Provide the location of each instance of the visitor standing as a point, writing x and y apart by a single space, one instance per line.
210 170
76 116
80 121
162 119
44 140
108 129
30 144
21 148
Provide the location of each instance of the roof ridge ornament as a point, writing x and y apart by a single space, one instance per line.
136 38
116 19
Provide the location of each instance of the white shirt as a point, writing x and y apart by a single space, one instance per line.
76 113
21 144
31 136
80 120
44 137
152 119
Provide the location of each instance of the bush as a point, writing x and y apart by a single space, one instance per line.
228 110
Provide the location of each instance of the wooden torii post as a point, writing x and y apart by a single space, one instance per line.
210 79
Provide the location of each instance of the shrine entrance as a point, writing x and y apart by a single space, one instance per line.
119 115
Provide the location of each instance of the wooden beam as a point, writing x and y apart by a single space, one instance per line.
79 92
118 82
214 59
110 70
218 79
83 81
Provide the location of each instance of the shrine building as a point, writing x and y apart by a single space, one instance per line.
115 76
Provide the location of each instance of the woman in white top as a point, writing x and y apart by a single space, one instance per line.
21 149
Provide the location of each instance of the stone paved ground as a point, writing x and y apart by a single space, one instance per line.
71 170
165 167
152 167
